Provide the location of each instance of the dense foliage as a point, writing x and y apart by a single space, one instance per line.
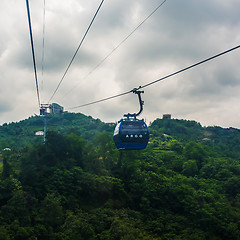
21 134
184 185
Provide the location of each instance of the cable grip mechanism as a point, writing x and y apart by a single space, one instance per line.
141 102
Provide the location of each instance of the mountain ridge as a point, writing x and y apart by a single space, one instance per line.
20 134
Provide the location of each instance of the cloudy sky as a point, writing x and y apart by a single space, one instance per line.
179 34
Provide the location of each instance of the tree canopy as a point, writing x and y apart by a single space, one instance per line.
184 185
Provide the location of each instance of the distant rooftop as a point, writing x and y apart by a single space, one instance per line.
167 116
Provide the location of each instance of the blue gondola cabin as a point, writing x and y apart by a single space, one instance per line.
131 134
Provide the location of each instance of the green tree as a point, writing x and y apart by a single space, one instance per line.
7 188
176 146
196 152
52 211
190 168
19 208
77 227
6 166
6 169
4 235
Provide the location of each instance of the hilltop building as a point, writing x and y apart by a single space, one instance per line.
167 116
53 108
56 108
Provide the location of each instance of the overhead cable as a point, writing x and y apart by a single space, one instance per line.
192 66
43 40
104 99
158 80
80 44
33 54
114 49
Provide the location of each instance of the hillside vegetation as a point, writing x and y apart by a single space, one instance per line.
184 185
21 134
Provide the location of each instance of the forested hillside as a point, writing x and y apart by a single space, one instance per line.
184 185
21 134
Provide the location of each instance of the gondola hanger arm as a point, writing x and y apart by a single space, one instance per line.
141 102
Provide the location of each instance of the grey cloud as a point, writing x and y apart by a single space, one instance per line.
5 106
179 34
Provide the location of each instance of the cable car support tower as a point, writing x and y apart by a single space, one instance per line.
43 112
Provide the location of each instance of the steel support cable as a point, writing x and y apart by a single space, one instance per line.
43 40
102 100
192 66
158 80
114 49
33 54
80 44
